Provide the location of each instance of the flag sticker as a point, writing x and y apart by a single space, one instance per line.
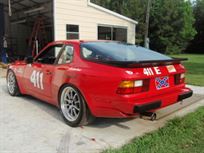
171 68
162 82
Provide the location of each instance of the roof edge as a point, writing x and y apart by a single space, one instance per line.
111 12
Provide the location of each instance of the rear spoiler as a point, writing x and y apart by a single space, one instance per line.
138 64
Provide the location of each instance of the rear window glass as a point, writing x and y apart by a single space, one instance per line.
116 51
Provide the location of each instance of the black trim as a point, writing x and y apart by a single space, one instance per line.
157 104
147 107
185 95
138 64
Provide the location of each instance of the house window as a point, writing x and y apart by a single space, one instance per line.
120 34
72 31
104 33
112 33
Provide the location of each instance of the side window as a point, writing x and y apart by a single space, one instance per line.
67 55
48 56
94 54
86 53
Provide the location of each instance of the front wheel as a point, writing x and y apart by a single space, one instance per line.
12 84
73 107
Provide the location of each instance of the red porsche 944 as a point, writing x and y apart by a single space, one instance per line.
87 79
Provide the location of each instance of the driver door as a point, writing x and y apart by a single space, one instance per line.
38 75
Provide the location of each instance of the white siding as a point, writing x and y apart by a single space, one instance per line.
78 12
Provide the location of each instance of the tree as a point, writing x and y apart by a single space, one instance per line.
104 3
136 9
171 21
197 44
171 25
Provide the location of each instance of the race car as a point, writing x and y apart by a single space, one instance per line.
88 79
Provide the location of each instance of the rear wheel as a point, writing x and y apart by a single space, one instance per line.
73 107
12 84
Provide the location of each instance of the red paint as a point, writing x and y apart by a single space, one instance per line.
98 84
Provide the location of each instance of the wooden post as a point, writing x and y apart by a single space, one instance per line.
146 39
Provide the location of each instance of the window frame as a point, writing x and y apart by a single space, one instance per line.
50 46
112 30
71 32
61 52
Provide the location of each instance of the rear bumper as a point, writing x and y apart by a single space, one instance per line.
147 107
128 106
185 95
157 104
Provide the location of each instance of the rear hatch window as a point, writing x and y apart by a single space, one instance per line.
119 52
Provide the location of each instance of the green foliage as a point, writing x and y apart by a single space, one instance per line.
136 9
171 21
197 45
171 25
104 3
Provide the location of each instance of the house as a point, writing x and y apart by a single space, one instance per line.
62 19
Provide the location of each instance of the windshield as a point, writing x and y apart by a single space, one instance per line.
117 51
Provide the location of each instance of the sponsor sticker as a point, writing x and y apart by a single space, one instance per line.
171 68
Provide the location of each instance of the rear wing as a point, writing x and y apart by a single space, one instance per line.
138 64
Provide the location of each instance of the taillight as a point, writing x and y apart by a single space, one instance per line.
131 87
179 78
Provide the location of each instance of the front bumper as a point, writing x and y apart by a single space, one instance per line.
156 105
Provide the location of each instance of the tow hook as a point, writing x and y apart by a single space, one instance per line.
151 115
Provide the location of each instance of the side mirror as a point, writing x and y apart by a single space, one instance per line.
29 60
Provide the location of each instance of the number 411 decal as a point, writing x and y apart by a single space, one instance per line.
37 79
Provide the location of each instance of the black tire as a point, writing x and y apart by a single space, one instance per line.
84 116
153 117
13 88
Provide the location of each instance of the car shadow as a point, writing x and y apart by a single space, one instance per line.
54 112
98 122
107 122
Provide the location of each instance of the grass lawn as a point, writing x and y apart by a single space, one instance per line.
180 135
195 68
